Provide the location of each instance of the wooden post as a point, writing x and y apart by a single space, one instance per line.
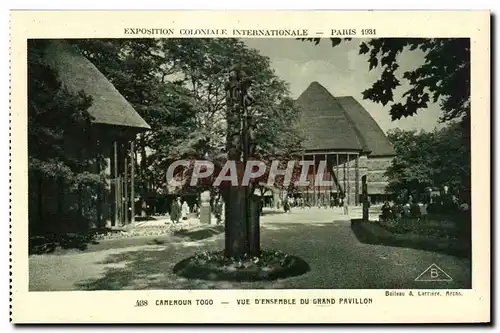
115 182
110 200
305 190
99 188
315 201
365 198
328 178
125 182
132 183
344 180
337 176
120 199
356 189
348 190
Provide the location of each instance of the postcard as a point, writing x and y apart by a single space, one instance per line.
250 167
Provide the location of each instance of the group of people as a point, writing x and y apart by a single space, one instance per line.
180 211
390 210
302 203
418 209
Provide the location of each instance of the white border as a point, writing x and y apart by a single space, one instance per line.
200 4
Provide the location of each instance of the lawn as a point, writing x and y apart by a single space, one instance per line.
454 226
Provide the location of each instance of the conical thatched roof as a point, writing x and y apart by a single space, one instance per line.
77 73
369 132
341 123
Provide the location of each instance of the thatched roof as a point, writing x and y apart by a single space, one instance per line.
339 123
77 74
369 132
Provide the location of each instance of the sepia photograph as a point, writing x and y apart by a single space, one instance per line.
250 163
190 167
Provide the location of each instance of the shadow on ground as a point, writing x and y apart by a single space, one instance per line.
270 212
199 233
371 233
52 242
153 267
145 218
148 268
334 253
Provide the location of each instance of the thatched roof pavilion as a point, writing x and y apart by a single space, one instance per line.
77 74
115 125
340 123
341 131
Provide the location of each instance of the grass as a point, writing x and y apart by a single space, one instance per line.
437 233
454 226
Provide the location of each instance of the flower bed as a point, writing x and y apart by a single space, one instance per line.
157 230
270 265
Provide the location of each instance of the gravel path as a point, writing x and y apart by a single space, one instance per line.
338 260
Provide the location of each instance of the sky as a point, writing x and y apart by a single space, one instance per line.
343 72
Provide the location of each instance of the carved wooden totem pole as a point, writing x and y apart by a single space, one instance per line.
242 236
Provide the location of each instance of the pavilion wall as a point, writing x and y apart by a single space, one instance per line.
344 169
376 178
349 168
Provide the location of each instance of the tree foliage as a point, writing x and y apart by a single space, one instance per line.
430 159
58 126
205 65
138 68
177 86
443 78
64 163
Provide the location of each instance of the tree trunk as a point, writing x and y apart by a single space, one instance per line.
235 220
242 210
236 235
254 225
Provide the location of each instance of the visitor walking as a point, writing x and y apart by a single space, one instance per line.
346 207
287 205
184 210
386 212
175 211
218 210
423 210
196 210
